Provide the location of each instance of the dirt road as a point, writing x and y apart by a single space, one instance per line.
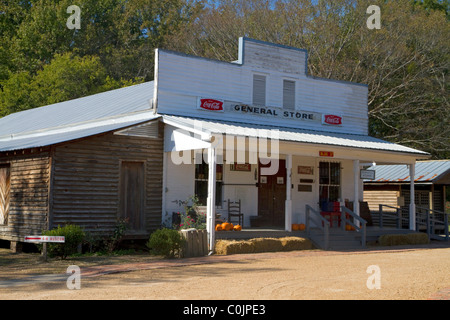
419 273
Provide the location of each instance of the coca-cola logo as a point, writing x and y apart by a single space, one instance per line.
332 119
211 104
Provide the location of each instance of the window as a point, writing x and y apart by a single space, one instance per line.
289 94
201 183
329 181
5 188
259 90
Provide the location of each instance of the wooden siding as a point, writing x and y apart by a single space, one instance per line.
375 196
29 194
87 179
182 80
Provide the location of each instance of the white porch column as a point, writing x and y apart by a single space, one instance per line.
356 171
288 204
412 204
211 200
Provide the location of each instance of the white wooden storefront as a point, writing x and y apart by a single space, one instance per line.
266 90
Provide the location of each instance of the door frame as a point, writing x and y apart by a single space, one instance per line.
120 214
280 215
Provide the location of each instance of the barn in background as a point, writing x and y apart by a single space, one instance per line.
88 161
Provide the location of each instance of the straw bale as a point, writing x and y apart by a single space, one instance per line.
296 243
403 239
225 247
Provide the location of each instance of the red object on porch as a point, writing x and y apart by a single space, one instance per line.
333 215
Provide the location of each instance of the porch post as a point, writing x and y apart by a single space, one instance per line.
412 203
211 200
356 188
288 204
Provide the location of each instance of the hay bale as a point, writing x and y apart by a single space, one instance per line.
296 243
225 247
403 239
257 245
267 244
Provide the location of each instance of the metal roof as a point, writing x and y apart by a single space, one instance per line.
425 171
77 118
288 134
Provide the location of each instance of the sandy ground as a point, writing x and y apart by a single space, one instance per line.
413 273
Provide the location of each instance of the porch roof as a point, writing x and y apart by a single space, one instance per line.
289 134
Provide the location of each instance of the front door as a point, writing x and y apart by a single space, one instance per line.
272 196
132 194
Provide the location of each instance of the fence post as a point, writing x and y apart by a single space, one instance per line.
380 222
446 226
307 221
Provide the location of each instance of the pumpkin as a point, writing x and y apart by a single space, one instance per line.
219 227
295 227
348 227
301 226
237 228
226 226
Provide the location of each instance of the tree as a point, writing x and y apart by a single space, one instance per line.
66 77
405 64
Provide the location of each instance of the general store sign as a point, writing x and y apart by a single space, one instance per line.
218 105
57 239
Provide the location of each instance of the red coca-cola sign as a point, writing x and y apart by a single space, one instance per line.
332 119
211 104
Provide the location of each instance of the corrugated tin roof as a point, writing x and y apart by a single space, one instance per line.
289 134
425 171
77 118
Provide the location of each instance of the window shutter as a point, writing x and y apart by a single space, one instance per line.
289 94
259 90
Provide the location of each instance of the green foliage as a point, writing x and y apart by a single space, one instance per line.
166 242
404 64
74 236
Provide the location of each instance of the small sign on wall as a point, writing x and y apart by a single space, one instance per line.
305 170
304 188
210 104
328 154
367 174
241 167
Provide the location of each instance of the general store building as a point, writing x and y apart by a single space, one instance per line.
259 130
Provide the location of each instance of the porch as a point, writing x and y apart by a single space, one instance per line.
303 168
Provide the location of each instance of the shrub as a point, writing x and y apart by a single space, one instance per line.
74 236
166 242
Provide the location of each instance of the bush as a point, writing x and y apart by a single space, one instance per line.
166 242
74 236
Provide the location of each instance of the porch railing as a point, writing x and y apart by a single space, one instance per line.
362 228
392 213
312 216
432 221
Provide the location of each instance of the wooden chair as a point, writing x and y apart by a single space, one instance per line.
234 210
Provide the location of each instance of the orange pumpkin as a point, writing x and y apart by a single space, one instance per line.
219 227
301 227
237 228
295 227
226 226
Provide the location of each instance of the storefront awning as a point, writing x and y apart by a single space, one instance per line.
204 127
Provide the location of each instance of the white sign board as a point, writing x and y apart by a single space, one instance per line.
367 174
57 239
